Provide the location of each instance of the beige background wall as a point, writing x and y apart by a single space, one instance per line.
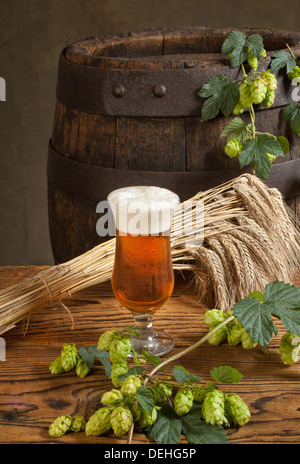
32 34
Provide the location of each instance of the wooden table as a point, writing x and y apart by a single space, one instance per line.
31 398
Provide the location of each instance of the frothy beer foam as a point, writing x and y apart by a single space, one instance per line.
143 210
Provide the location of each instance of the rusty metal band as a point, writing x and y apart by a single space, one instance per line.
146 93
94 183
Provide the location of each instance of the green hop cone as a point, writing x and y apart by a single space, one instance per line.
119 349
160 392
263 53
118 369
56 367
270 156
269 99
245 94
238 109
130 385
258 90
78 424
219 336
99 422
200 391
147 419
235 333
183 401
82 369
69 356
236 409
289 348
60 426
247 342
213 317
105 340
232 148
111 397
213 408
121 420
252 61
270 80
136 411
295 72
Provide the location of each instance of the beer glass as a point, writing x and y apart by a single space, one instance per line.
143 277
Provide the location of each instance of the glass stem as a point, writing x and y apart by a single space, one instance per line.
143 322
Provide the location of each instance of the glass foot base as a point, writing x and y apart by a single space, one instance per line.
158 343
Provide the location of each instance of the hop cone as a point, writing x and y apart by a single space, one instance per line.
219 336
214 317
289 348
269 99
56 367
82 369
236 409
69 356
270 156
200 391
146 419
252 61
183 401
60 426
105 340
99 422
160 392
233 148
238 109
111 397
258 90
247 341
235 333
295 72
119 349
213 408
131 384
245 95
78 424
270 80
121 420
117 370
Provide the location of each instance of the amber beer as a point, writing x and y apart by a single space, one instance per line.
143 277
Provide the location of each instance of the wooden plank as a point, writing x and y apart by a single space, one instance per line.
30 397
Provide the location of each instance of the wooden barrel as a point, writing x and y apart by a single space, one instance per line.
128 113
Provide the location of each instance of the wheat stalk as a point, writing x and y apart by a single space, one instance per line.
250 238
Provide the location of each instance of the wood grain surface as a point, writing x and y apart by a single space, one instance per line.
31 398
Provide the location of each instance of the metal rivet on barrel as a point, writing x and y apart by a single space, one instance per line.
159 90
119 90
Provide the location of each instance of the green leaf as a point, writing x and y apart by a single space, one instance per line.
282 300
181 375
88 358
167 427
255 44
284 143
214 86
258 295
254 151
198 431
292 114
230 97
235 126
210 108
226 374
154 360
103 357
235 39
282 59
145 398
